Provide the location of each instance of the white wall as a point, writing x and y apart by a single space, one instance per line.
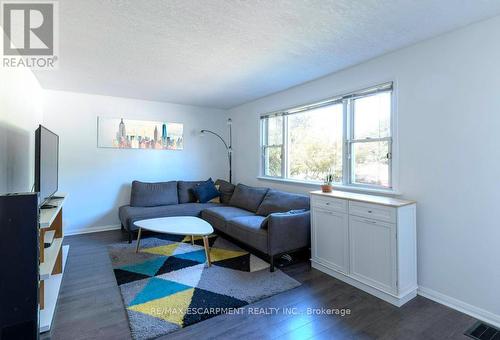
448 91
20 114
98 180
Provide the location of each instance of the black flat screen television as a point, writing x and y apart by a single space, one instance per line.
46 164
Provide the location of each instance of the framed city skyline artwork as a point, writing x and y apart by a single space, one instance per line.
122 133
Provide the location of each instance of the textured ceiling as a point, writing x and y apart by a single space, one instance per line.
222 53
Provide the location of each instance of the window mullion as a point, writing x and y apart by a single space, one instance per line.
266 131
284 160
389 160
349 127
263 146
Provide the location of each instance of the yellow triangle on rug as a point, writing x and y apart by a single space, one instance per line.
218 254
167 250
171 308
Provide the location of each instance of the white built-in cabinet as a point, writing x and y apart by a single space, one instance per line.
367 241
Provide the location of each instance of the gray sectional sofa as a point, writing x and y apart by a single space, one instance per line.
269 221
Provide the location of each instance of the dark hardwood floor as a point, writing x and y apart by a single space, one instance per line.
90 307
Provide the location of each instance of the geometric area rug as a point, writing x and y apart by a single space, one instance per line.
168 286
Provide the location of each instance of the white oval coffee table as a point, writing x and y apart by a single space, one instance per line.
177 225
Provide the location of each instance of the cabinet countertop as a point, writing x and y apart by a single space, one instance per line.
382 200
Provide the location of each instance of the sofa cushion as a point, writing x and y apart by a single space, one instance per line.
217 216
206 191
248 198
226 190
153 194
226 213
280 201
247 229
128 214
186 192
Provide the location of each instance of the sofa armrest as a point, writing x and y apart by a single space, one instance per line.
287 232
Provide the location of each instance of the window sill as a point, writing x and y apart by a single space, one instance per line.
339 187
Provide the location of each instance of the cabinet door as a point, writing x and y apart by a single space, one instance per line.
372 252
330 239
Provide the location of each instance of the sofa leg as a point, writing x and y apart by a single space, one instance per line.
271 268
129 237
123 228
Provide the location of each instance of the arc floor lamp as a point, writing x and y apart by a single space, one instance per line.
228 146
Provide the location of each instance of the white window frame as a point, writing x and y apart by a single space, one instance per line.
348 141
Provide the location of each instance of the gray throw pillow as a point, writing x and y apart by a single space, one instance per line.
280 201
226 190
186 192
248 198
153 194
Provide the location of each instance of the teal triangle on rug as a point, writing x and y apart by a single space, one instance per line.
197 256
156 289
147 268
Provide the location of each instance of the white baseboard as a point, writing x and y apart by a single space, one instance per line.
88 230
475 312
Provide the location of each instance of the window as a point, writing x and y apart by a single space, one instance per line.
349 136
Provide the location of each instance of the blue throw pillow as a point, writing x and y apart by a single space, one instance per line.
206 191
